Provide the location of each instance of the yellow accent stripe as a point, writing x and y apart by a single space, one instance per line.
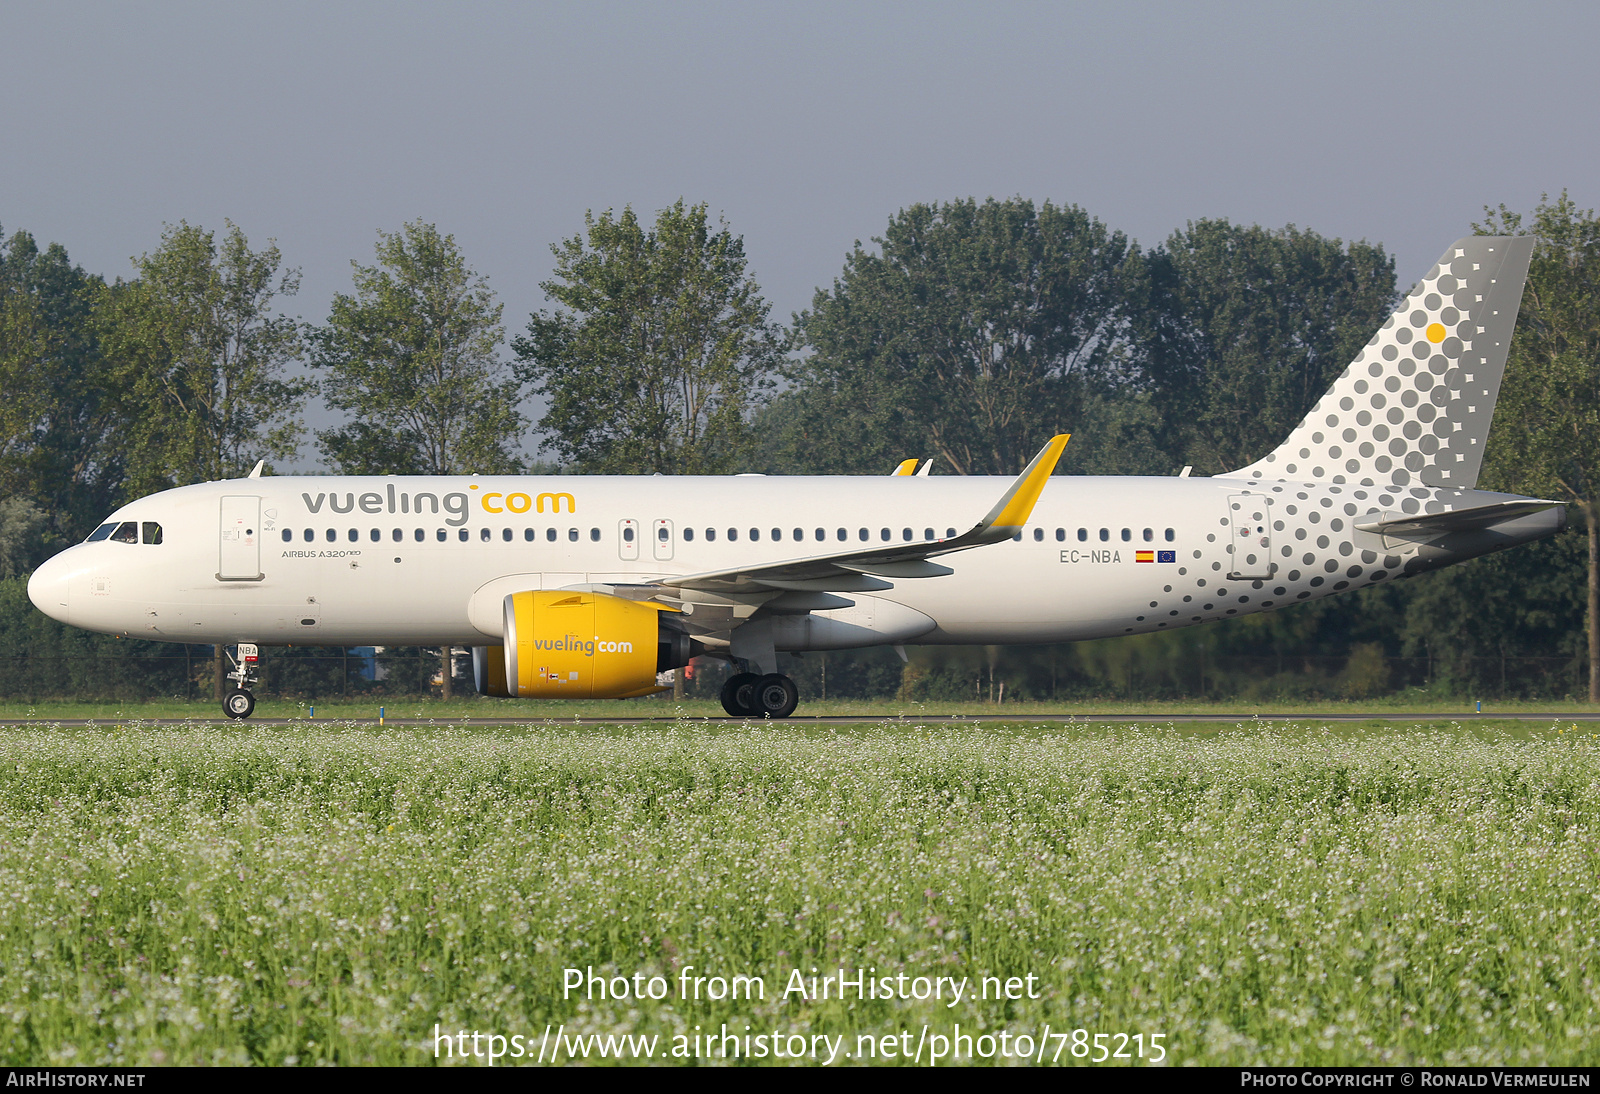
906 467
1023 496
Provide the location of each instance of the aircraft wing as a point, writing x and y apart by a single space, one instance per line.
863 570
1458 520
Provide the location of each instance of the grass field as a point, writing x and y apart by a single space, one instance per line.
327 893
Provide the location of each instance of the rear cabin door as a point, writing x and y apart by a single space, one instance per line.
1250 536
240 558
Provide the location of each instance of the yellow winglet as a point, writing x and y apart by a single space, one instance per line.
1013 509
905 467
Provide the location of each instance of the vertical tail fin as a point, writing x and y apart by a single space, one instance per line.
1415 405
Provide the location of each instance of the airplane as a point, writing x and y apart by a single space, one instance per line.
575 587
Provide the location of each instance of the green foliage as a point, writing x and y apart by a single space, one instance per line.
324 895
1546 436
200 358
413 357
1242 329
658 350
21 545
975 333
58 420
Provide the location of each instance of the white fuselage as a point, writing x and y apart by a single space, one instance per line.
351 561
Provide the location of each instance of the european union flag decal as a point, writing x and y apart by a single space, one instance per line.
1166 556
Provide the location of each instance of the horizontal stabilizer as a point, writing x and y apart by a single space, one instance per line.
1428 525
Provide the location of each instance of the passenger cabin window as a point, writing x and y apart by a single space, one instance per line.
288 535
862 535
733 534
1038 535
527 534
332 535
441 535
127 532
627 535
1127 535
594 535
688 535
549 535
1061 535
420 535
949 533
1105 535
101 532
483 534
572 535
1171 535
461 534
927 534
354 536
1149 534
505 534
711 535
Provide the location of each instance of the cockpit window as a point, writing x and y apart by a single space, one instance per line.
152 532
127 532
101 532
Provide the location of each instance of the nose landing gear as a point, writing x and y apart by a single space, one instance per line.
239 703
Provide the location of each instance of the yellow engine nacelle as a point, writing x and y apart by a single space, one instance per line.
579 645
489 671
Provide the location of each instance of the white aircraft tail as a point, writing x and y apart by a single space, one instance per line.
1416 403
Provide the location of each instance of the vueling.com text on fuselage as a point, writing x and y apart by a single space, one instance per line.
456 503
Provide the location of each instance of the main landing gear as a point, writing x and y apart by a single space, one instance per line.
747 695
237 702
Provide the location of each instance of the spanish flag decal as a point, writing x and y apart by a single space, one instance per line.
1144 556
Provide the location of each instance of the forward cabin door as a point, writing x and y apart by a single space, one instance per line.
241 539
1250 536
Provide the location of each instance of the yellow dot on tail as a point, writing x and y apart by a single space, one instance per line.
1436 332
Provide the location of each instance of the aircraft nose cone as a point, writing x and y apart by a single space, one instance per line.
48 588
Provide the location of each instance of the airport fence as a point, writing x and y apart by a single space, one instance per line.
987 675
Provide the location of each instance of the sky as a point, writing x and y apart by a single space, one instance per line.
806 126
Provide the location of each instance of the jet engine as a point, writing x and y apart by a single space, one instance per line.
489 671
582 645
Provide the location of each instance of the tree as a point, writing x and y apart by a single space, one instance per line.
193 344
975 333
199 357
661 349
1241 329
413 357
1546 435
59 410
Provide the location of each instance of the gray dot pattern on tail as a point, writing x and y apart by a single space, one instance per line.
1415 405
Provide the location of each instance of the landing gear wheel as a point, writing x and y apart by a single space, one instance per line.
776 695
739 695
238 703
